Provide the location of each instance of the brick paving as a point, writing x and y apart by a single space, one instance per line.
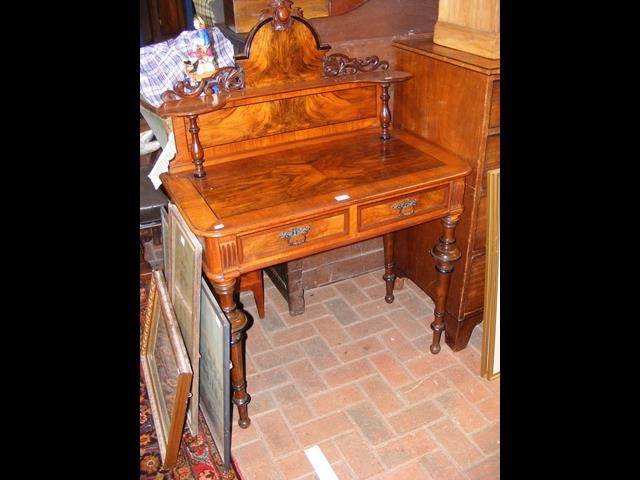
354 376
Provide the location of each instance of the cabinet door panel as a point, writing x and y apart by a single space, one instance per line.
494 117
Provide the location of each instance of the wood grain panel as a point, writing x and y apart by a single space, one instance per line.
494 116
339 7
273 61
390 211
286 115
479 241
474 291
268 243
214 155
376 19
319 170
469 25
446 106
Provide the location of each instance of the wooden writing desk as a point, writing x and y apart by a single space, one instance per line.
296 158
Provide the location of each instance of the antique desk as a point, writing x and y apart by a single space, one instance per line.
296 156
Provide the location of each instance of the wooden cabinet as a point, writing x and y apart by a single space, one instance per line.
469 25
454 101
162 19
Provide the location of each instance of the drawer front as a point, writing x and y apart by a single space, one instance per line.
399 208
494 116
293 236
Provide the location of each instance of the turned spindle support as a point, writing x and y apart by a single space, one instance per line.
389 277
224 288
445 253
197 152
385 113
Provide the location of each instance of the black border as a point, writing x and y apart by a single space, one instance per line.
74 175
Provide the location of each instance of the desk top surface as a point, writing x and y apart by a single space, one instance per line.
303 178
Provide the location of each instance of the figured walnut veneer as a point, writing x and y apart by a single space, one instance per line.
267 60
265 119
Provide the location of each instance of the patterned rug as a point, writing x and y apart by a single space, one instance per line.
198 458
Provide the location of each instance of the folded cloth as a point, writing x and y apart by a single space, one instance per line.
162 64
148 143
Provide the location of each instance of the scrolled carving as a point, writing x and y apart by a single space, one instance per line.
184 89
226 78
281 11
339 64
230 78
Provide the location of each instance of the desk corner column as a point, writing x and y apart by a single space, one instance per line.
445 253
224 287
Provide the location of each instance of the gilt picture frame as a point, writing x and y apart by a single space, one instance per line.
490 356
166 368
185 264
215 381
164 220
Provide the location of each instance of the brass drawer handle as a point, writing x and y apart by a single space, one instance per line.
289 235
406 207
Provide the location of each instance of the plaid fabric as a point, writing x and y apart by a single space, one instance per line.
161 64
205 9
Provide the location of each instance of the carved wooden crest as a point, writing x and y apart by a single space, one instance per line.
282 48
280 11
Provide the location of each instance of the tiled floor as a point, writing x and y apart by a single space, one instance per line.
354 375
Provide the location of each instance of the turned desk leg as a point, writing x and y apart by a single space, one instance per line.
197 153
389 277
224 289
445 253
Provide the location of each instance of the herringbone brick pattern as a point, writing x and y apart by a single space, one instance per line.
354 375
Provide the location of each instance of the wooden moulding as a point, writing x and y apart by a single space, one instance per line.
469 25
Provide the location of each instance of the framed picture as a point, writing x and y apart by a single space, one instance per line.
164 219
185 264
215 389
166 369
490 358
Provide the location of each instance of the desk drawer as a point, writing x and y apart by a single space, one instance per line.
399 208
293 236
